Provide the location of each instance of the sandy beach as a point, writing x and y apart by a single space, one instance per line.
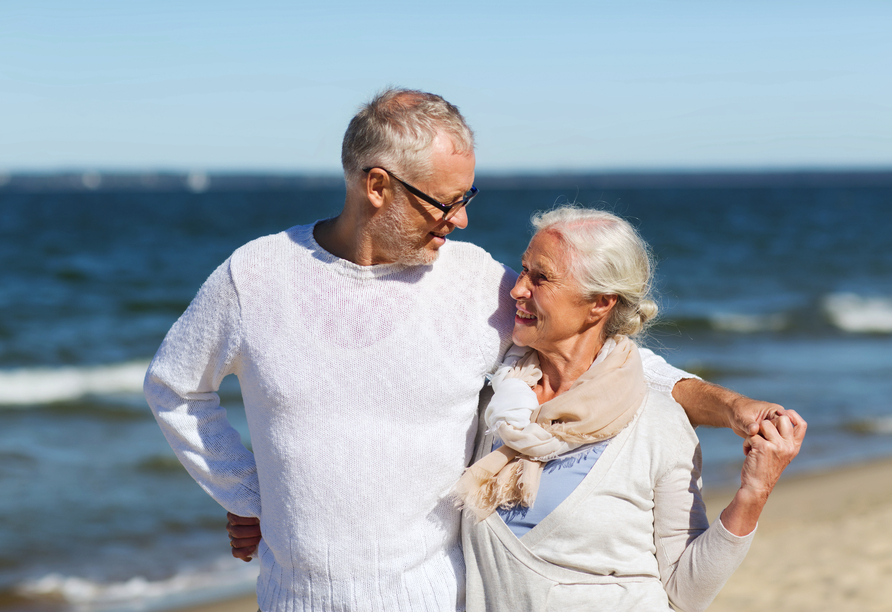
824 543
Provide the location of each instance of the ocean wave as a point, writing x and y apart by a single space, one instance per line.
725 321
748 323
29 386
878 425
858 314
160 464
220 580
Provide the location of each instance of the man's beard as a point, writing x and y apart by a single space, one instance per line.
392 232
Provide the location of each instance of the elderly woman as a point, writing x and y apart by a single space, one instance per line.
585 491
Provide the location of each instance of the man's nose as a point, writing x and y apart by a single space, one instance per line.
460 218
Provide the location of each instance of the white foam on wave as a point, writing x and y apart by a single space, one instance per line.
883 425
221 580
877 425
28 386
748 323
857 314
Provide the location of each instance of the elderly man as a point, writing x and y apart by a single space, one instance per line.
361 344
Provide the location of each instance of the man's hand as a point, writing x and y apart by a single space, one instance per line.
715 406
244 535
747 415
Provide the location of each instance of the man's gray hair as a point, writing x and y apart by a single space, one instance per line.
607 257
396 129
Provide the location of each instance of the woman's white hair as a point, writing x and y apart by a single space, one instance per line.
607 257
396 129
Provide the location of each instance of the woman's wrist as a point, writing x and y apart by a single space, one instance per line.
742 514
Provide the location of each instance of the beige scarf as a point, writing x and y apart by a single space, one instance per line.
598 406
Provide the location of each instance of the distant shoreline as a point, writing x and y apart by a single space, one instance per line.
200 181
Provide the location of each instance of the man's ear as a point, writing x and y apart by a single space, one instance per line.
377 187
601 306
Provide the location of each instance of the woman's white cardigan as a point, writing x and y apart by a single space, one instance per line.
632 536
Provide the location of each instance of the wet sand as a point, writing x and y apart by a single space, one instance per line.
824 543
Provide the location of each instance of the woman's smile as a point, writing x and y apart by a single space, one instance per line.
524 317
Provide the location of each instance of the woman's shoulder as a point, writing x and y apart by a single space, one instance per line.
664 438
662 415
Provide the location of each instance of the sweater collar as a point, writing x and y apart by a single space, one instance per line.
303 235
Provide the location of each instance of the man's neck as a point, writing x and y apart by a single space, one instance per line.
347 239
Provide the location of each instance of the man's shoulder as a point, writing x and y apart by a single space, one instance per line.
470 256
274 245
459 248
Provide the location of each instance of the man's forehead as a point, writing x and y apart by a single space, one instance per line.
448 144
452 172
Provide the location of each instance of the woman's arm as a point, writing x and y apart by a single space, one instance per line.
695 562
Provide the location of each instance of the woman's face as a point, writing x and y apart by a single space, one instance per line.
550 310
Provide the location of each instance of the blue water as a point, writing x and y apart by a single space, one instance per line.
780 288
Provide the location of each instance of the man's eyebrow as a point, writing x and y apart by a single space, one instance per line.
454 198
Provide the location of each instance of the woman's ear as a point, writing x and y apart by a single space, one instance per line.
601 306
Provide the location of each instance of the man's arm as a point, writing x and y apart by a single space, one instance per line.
706 403
715 406
181 388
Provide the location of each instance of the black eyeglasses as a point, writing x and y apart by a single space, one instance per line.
446 208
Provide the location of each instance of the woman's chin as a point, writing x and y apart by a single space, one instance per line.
520 338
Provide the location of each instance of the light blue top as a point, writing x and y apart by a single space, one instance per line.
559 478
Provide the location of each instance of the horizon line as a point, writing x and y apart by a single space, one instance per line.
198 181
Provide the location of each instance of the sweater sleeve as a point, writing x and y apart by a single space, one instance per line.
181 387
497 308
658 374
695 559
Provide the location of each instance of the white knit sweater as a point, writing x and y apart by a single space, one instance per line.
360 386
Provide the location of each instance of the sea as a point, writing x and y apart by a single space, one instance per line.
777 285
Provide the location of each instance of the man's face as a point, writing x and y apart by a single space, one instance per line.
410 230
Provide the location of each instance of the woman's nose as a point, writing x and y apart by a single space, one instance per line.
520 289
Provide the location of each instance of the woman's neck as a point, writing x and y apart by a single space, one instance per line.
562 366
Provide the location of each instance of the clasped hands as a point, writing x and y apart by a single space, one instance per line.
769 447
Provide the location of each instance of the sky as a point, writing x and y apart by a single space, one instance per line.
561 86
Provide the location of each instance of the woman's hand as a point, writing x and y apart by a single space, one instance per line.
768 453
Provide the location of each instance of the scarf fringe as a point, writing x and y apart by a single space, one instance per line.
483 493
